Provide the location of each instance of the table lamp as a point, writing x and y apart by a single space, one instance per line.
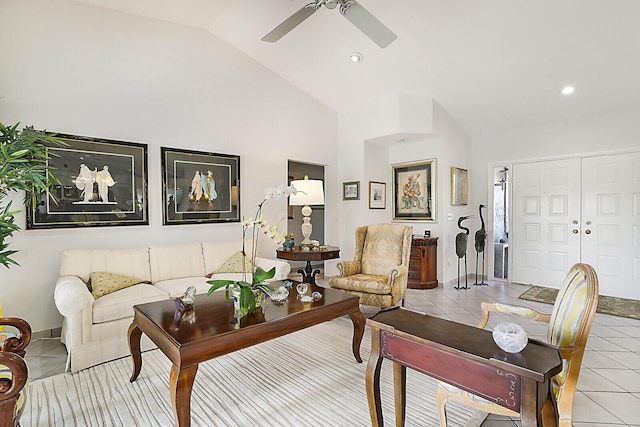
309 192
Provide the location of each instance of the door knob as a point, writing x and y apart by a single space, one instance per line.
588 231
575 231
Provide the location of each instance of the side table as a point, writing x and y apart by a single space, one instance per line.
298 254
423 263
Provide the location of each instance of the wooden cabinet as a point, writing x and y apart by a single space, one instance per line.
423 270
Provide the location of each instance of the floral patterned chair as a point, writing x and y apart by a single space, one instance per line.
13 370
569 326
379 272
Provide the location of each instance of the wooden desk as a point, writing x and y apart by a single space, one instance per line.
461 355
297 254
211 330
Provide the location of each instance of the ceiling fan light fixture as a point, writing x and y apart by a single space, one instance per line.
331 4
356 57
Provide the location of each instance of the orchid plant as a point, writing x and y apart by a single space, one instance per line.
243 290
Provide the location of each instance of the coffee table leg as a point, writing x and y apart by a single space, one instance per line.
358 331
135 334
180 386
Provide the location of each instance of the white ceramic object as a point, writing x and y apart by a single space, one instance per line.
510 337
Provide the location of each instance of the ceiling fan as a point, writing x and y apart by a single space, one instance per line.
350 9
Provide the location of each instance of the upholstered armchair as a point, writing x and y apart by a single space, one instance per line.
13 370
569 326
379 272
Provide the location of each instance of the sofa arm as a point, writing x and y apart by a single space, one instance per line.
71 295
348 268
282 268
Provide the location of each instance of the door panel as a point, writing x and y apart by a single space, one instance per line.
546 214
611 222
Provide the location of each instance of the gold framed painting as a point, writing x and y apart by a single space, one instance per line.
459 186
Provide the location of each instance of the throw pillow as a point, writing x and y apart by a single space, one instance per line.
103 283
234 264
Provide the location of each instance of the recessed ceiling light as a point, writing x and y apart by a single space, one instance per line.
568 90
356 57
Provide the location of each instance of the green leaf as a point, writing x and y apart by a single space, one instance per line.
217 284
260 275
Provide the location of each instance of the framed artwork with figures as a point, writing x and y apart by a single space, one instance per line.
414 191
102 182
199 187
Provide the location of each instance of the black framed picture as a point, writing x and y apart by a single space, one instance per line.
103 182
199 187
414 191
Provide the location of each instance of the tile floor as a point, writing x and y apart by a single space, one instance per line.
609 385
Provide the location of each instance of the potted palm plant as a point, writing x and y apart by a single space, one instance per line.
23 166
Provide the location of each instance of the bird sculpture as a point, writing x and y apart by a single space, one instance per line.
481 240
185 301
462 239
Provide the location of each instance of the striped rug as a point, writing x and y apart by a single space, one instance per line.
308 378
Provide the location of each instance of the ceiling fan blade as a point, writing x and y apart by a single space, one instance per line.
368 24
290 23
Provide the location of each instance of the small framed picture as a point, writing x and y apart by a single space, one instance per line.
351 190
459 186
377 195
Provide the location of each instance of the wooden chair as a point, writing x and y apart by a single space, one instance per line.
13 370
569 326
380 269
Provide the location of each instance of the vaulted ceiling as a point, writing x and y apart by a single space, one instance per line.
492 64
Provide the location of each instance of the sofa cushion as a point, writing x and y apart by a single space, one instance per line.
102 282
119 305
234 264
216 253
129 261
176 261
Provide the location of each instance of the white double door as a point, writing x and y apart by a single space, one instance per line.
578 210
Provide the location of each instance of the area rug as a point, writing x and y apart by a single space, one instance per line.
308 378
606 305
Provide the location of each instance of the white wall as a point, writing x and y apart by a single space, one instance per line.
594 134
367 148
76 69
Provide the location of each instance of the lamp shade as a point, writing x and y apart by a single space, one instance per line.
310 192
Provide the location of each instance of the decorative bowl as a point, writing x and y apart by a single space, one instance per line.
510 337
280 295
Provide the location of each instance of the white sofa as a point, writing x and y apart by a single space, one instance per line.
95 329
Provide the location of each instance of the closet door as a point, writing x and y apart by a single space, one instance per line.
545 237
611 222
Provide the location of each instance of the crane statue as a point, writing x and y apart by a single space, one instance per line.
462 239
481 240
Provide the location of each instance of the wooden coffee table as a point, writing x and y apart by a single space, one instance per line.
211 330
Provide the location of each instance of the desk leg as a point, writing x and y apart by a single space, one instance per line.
400 392
135 334
530 406
358 331
180 386
372 380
